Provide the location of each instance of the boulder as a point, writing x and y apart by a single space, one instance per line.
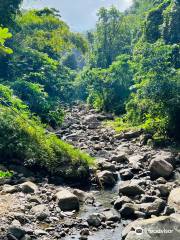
21 217
152 208
164 189
83 196
126 174
127 211
104 165
95 219
128 135
106 178
119 158
16 230
111 215
91 121
120 201
135 161
174 199
28 187
10 189
67 201
130 188
160 168
166 156
80 194
166 227
41 212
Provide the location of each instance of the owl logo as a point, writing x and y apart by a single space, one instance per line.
139 231
177 229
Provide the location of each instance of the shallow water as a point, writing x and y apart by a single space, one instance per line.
104 198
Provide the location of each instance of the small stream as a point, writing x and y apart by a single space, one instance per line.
103 201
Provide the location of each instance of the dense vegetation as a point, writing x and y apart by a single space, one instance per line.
133 66
34 80
128 65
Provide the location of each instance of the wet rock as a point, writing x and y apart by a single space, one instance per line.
161 180
130 188
148 198
67 201
85 232
168 211
95 219
28 187
106 178
174 199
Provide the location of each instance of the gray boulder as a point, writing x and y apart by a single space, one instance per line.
111 215
160 167
41 212
95 219
174 199
166 227
130 188
16 230
67 201
106 178
28 187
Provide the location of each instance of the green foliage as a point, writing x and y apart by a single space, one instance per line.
170 28
106 89
23 137
156 100
39 72
5 174
149 35
4 35
111 38
154 19
8 10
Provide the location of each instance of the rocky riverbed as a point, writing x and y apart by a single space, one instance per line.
134 192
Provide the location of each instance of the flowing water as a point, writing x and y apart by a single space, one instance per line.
103 201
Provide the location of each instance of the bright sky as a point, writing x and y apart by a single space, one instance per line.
79 14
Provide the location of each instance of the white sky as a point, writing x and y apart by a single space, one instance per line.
79 14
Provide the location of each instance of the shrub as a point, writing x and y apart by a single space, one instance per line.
25 139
